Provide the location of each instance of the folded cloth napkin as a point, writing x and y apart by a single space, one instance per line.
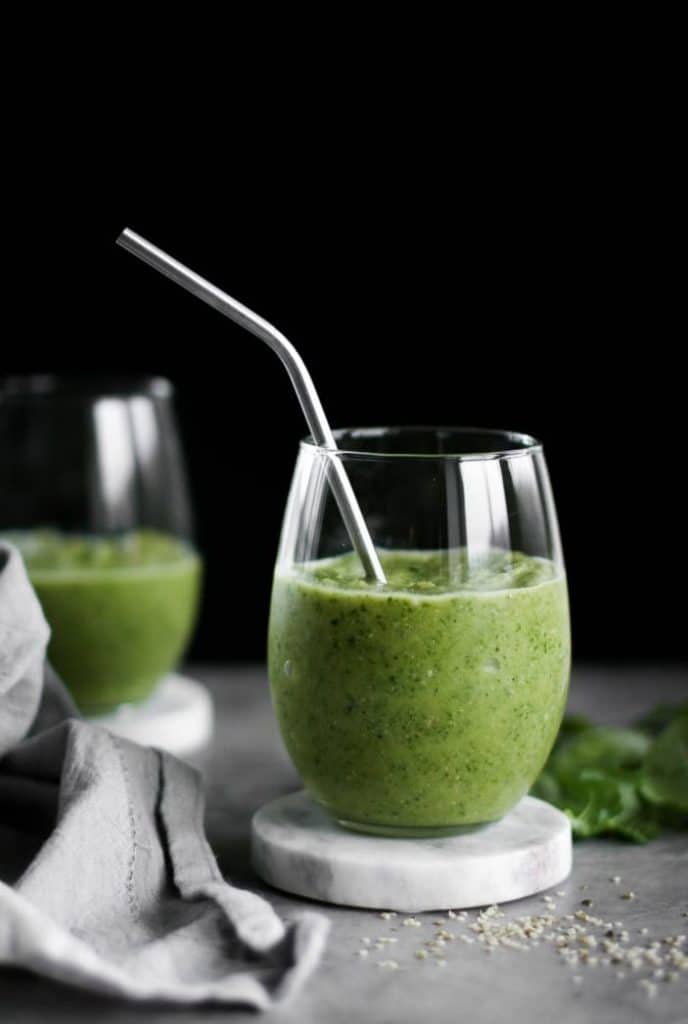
124 895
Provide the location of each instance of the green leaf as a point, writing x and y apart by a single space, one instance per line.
595 800
621 782
660 717
600 748
547 788
600 804
665 767
571 726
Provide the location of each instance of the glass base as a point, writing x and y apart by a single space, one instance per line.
108 699
90 709
177 717
410 832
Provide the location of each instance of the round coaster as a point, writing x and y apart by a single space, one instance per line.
177 717
298 847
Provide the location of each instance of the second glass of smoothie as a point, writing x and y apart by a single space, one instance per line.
97 503
429 704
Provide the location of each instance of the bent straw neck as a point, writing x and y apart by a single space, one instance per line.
298 374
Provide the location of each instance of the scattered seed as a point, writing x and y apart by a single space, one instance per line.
581 940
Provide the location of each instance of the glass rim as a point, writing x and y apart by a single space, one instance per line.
508 444
84 386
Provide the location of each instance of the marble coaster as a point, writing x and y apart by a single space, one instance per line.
298 847
177 717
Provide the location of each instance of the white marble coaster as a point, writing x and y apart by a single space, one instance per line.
177 717
298 847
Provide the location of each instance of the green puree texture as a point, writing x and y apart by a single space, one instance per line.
121 609
429 703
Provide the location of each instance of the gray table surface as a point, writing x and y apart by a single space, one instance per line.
247 765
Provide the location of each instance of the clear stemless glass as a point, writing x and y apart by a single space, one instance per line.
428 705
94 494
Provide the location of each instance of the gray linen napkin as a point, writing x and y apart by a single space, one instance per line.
124 895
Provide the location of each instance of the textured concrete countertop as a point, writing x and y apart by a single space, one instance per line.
247 765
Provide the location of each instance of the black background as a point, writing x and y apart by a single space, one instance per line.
513 271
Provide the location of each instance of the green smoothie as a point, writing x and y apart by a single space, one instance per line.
428 704
121 609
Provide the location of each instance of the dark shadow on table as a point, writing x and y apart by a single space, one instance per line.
26 999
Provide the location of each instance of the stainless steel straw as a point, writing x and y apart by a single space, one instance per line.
299 375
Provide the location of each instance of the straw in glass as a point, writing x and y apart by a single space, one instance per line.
300 377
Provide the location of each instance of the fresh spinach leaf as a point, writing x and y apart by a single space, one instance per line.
665 767
659 717
630 783
598 803
599 748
